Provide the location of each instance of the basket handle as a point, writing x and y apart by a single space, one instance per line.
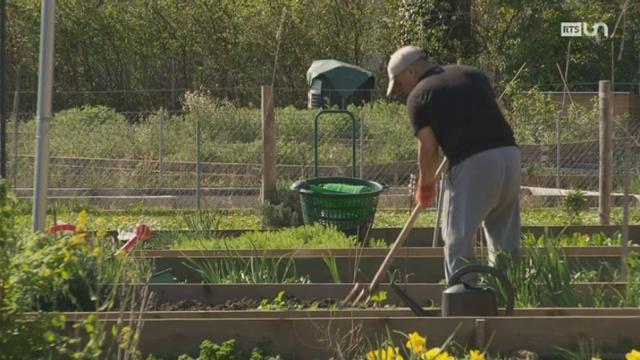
353 138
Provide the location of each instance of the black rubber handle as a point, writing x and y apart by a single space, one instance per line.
412 304
485 269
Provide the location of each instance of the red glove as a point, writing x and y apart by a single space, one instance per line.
426 194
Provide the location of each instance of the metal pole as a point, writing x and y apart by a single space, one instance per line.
3 118
198 163
16 110
606 155
45 89
161 145
362 146
625 211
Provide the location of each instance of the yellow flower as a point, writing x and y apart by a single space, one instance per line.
477 355
77 239
82 222
633 355
416 343
125 337
67 255
97 251
596 358
445 356
390 353
431 354
82 217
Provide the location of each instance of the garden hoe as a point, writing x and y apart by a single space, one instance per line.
360 290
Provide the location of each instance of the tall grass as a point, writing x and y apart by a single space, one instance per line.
252 270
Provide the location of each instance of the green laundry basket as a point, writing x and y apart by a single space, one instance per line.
351 213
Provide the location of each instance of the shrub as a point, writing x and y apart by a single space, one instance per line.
574 204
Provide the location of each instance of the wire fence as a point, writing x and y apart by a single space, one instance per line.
209 152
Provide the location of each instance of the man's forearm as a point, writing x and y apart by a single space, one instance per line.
427 155
428 163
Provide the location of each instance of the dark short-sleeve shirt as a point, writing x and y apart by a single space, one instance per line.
459 104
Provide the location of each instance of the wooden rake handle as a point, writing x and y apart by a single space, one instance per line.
359 290
402 237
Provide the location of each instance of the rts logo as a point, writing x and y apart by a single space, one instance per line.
578 29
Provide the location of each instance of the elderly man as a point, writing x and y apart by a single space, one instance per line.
454 107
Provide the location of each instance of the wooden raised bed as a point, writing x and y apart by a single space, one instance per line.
318 336
418 265
425 294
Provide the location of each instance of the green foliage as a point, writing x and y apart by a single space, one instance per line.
532 115
202 223
379 299
278 303
44 275
282 210
334 270
544 275
309 236
584 350
252 270
226 351
575 239
574 203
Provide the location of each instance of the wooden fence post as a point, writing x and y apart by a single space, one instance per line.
269 170
606 147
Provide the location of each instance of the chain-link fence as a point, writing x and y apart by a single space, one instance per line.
209 151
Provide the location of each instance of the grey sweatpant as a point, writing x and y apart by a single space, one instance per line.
483 189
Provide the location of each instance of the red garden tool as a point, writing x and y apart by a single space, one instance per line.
142 232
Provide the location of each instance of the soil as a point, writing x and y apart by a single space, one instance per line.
244 303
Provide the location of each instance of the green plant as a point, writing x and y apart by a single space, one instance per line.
575 239
282 210
584 350
379 299
252 270
45 275
226 351
632 290
544 274
334 271
378 243
202 223
280 302
309 236
574 203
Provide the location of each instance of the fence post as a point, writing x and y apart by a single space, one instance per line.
269 170
173 83
16 110
606 154
161 145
